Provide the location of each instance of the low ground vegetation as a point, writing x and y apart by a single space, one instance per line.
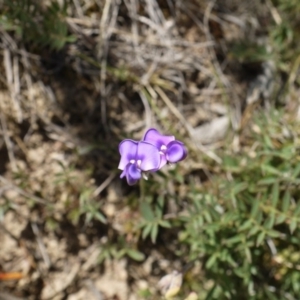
78 77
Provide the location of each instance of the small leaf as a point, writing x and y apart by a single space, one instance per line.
88 218
293 225
255 209
296 211
199 222
164 223
158 211
239 187
269 223
100 217
207 216
146 212
259 217
280 219
253 230
246 225
275 194
268 141
260 238
273 233
154 232
268 181
286 201
146 230
296 172
211 261
248 254
160 201
233 240
136 255
267 169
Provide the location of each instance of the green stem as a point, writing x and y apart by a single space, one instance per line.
142 190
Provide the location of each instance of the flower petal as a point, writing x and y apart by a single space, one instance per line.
128 150
154 137
123 173
133 174
149 156
176 152
163 161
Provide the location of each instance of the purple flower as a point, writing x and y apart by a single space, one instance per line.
149 155
170 149
137 157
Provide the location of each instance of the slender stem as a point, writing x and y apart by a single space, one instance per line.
142 190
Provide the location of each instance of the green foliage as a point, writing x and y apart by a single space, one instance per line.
6 205
88 207
85 205
246 229
282 43
246 51
118 250
152 219
36 23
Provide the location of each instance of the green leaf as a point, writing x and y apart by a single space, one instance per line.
275 194
296 171
268 181
269 223
246 51
146 212
293 225
234 240
280 219
253 230
154 232
161 201
100 217
158 211
211 261
164 223
135 255
273 233
268 141
246 225
255 208
146 230
239 187
248 254
207 216
259 217
267 169
199 222
286 201
74 215
260 238
88 217
118 253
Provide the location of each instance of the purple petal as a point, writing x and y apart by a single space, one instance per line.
123 173
163 161
128 150
154 137
176 152
149 156
133 174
